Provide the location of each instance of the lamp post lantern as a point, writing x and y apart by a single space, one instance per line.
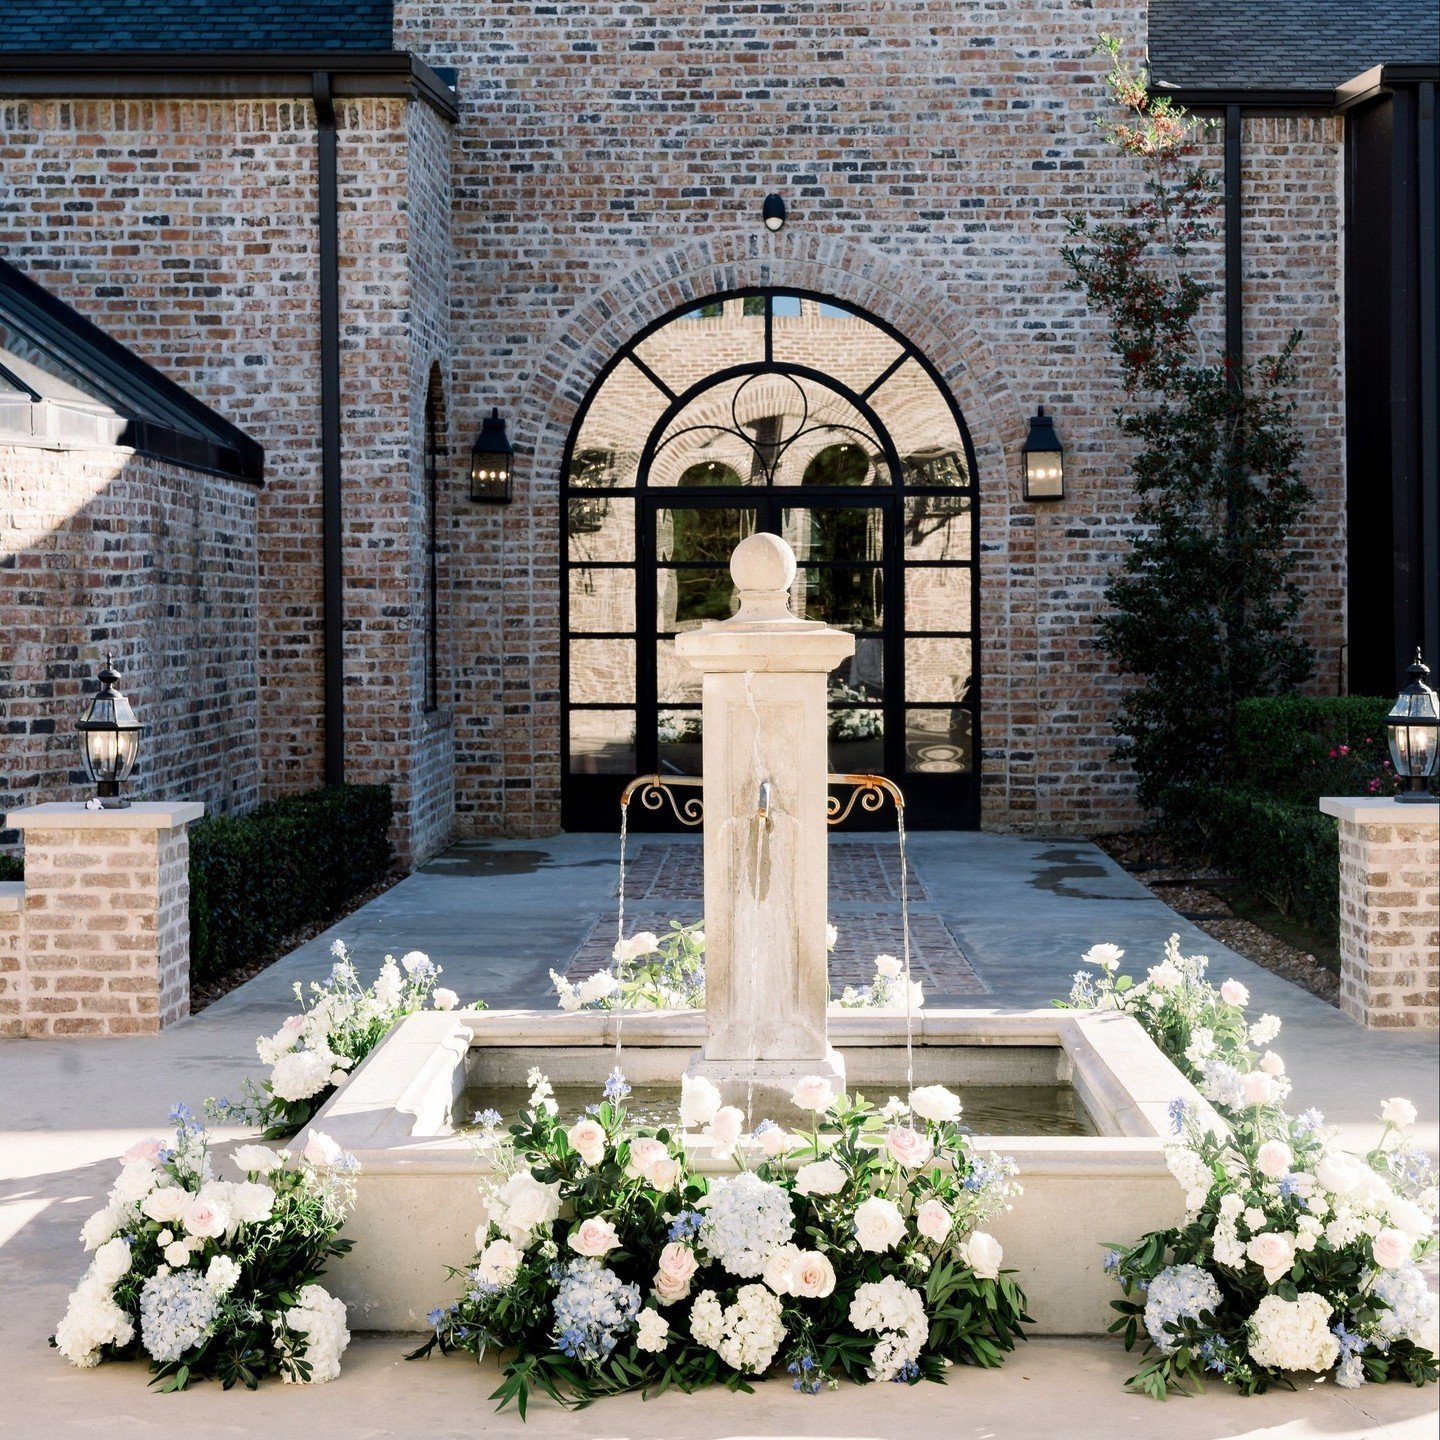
1414 725
492 462
110 739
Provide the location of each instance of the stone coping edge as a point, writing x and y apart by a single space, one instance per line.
1364 810
73 815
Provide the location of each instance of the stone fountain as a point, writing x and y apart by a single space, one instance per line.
766 1022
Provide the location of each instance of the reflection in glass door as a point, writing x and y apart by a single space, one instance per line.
784 413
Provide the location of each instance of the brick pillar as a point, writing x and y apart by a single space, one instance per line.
105 919
12 977
1389 912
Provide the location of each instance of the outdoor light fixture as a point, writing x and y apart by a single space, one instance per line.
1044 459
491 463
110 736
773 212
1413 725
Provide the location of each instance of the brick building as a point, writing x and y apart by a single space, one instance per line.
352 230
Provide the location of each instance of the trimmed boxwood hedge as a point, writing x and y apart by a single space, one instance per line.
257 878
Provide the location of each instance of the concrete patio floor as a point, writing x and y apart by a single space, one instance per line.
497 916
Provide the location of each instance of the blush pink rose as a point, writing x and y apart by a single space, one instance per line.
593 1237
724 1130
1272 1064
663 1174
1273 1253
587 1140
676 1270
812 1276
644 1153
814 1092
908 1146
206 1218
1391 1248
1274 1159
1259 1088
144 1150
932 1220
1232 992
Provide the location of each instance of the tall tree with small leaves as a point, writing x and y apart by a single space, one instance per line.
1200 610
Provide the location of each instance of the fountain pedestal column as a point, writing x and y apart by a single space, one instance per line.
767 985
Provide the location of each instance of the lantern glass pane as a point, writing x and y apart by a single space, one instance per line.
102 754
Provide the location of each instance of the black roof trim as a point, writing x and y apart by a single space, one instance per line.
1205 97
1381 80
153 414
236 74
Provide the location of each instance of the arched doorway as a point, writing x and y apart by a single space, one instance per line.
786 411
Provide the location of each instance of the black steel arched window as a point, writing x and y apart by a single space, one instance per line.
785 411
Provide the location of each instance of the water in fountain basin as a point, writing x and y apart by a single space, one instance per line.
989 1109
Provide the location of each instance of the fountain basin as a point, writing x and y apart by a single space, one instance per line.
417 1206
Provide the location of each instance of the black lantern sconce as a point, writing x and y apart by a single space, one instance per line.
1414 726
773 212
492 464
1043 457
110 740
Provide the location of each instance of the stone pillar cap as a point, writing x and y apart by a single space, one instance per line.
1380 810
75 815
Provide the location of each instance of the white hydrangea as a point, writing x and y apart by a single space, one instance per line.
1293 1334
1176 1293
320 1318
745 1335
892 1309
746 1220
301 1074
1192 1172
177 1309
92 1320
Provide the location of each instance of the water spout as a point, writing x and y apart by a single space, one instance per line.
762 812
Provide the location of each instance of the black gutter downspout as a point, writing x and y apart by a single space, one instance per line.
1234 314
330 511
1428 217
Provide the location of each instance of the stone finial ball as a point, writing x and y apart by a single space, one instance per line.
762 562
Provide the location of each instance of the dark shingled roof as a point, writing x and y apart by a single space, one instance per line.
195 25
1287 44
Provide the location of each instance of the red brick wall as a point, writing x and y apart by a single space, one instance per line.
104 549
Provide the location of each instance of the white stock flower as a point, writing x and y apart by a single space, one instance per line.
651 1332
301 1075
221 1274
599 986
1264 1030
320 1318
1165 976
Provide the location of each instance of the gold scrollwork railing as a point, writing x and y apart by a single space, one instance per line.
656 791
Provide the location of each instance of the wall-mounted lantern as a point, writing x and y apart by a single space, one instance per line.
110 740
492 460
1043 457
1414 726
773 212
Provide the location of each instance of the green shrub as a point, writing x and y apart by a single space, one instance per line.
12 867
1284 852
257 878
1301 748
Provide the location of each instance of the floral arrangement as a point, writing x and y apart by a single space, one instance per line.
215 1278
650 972
1295 1255
339 1024
607 1262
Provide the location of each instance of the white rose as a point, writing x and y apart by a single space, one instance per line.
724 1130
820 1177
527 1204
256 1159
1407 1217
1390 1247
599 986
908 1146
677 1267
100 1227
646 942
651 1332
112 1260
166 1204
499 1263
663 1174
1272 1064
776 1270
1107 957
251 1203
1273 1253
645 1151
774 1141
814 1093
832 937
879 1225
887 966
935 1103
135 1181
699 1101
415 960
320 1150
933 1220
593 1237
177 1254
1274 1159
587 1139
1232 992
1399 1112
1259 1088
1340 1173
983 1254
444 999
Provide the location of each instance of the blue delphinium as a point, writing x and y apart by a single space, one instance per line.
615 1087
685 1225
1178 1110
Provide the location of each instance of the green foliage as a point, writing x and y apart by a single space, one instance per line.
12 867
1201 610
256 878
